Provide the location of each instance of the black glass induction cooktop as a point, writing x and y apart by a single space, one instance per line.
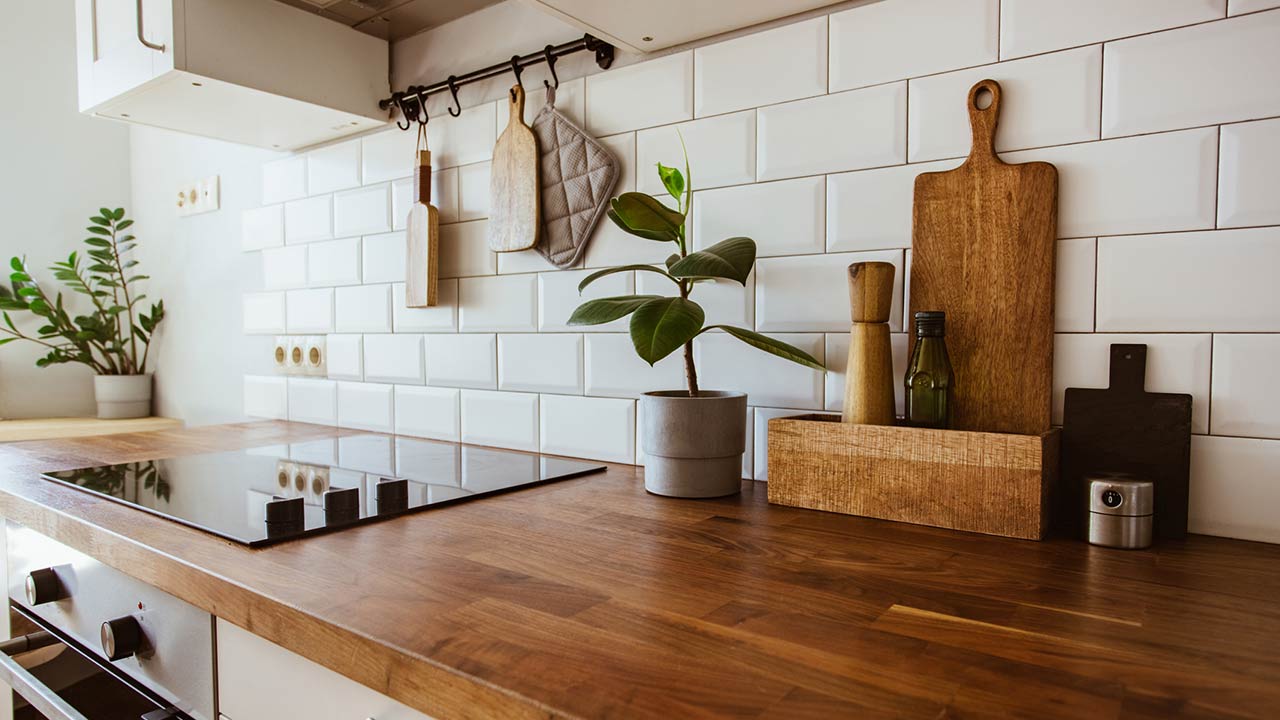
282 492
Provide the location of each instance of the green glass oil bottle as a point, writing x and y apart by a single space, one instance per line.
929 375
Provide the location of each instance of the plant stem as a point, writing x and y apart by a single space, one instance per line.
93 363
124 287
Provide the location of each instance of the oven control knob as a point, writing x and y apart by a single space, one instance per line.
43 586
121 637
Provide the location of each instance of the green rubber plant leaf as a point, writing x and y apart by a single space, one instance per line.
623 268
769 345
672 180
643 216
660 326
672 259
731 259
603 310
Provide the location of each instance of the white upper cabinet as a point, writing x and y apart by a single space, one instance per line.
249 71
657 24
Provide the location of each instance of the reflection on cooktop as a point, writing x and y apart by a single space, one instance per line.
264 495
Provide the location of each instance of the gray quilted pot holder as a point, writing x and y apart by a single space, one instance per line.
578 175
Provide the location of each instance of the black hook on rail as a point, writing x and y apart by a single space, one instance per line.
453 90
516 68
551 65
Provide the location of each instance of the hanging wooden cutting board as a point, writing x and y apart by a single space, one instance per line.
422 246
1126 429
514 222
983 252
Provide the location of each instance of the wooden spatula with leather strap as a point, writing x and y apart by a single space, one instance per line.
514 221
422 246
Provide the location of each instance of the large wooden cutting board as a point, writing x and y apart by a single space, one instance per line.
514 222
983 252
1126 429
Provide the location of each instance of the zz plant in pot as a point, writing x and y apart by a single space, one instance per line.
692 438
113 334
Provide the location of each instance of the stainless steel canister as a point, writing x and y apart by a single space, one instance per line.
1120 511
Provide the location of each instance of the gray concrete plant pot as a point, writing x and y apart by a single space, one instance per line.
693 445
122 396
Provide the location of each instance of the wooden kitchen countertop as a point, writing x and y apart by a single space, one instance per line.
590 598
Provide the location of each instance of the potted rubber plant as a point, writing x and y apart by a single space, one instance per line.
692 438
113 336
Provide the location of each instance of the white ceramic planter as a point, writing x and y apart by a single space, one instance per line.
122 396
693 445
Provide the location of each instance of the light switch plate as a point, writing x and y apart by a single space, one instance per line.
198 197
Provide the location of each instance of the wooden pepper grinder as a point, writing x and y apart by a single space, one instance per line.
868 387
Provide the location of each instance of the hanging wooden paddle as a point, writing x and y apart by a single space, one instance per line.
422 244
514 222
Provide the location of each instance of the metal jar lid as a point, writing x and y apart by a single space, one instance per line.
1115 494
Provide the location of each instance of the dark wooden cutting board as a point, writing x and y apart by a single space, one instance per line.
983 252
1126 429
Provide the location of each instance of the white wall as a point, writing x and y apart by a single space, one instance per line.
57 167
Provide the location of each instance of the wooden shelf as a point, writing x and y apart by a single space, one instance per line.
53 428
993 483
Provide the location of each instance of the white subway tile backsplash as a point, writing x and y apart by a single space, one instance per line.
879 42
610 245
393 358
1200 75
1028 27
1045 100
384 258
464 250
761 442
444 195
336 167
846 131
558 297
837 350
596 428
284 179
726 363
1246 401
657 92
614 370
309 311
811 292
462 360
365 406
1175 363
523 261
745 73
871 209
346 357
308 220
313 401
1153 183
465 139
284 268
472 188
334 262
547 363
1249 173
721 148
1074 285
1239 7
402 197
262 227
725 302
389 155
363 308
500 419
443 317
498 304
784 218
1234 492
1220 281
264 313
266 396
571 99
362 212
428 412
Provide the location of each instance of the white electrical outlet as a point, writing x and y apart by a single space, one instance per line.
197 197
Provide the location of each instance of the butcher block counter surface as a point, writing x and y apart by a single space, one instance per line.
590 598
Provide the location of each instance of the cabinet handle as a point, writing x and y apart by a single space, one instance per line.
141 38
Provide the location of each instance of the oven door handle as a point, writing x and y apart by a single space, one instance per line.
26 684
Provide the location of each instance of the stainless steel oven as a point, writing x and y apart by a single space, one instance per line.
100 645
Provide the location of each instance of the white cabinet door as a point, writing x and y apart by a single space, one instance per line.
111 60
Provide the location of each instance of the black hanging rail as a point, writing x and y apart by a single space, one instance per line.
412 100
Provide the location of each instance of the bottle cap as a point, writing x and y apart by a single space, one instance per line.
931 323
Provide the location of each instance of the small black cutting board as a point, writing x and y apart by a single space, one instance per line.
1126 429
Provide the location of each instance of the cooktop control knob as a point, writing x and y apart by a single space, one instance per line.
43 586
121 638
